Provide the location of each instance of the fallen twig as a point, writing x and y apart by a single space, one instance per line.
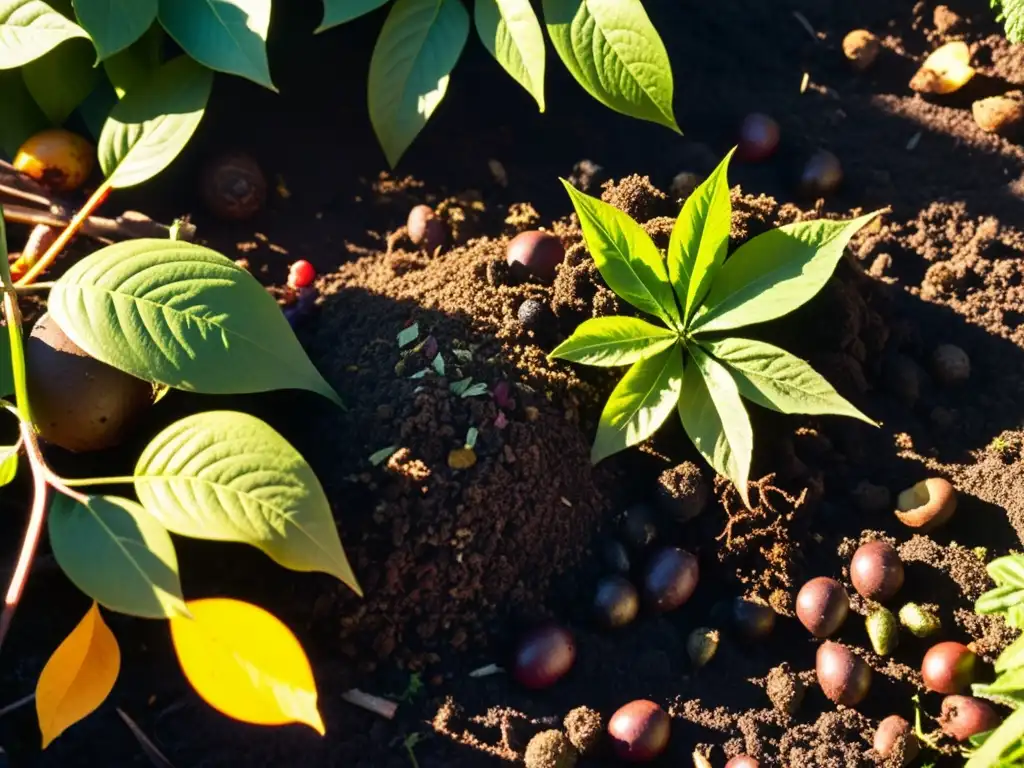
156 757
806 25
371 703
14 705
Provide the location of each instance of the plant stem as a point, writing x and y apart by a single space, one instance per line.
79 482
35 287
62 240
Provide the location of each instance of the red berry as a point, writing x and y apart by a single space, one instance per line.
301 274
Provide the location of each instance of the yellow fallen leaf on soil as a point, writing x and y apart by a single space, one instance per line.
78 677
946 69
245 663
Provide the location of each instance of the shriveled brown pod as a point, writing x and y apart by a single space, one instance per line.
927 505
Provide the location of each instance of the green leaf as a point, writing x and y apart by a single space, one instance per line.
1011 13
8 459
61 80
113 25
22 116
152 124
716 421
227 476
12 350
510 31
999 600
117 554
30 29
96 107
1012 656
225 35
1006 740
776 272
700 239
340 11
775 379
640 403
1009 684
418 47
611 341
1007 571
179 314
615 53
626 256
137 63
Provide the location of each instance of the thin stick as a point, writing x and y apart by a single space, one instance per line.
806 25
15 705
156 757
28 197
371 703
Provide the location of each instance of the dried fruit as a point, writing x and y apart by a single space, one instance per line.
1003 115
946 69
683 184
640 731
948 667
639 527
701 645
927 505
742 761
896 742
536 252
550 749
78 402
752 620
919 620
950 365
544 656
233 186
966 716
461 458
425 229
822 606
39 241
671 578
785 689
876 571
57 159
843 676
822 174
861 48
883 631
532 314
759 138
584 728
616 602
301 274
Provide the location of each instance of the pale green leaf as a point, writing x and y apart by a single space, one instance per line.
1006 743
62 79
22 117
1007 570
179 314
137 63
776 272
152 124
418 47
117 554
700 239
640 403
611 341
626 256
12 351
615 53
225 35
227 476
30 29
510 31
775 379
8 459
999 600
1012 656
1011 14
113 25
716 421
341 11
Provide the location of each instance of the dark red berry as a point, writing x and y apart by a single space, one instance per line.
425 229
759 138
539 253
966 716
301 274
670 579
843 676
896 742
822 606
822 174
752 620
640 731
616 602
876 571
948 667
743 761
544 656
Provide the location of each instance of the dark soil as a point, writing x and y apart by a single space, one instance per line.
458 560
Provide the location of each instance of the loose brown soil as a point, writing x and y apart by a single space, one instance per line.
457 559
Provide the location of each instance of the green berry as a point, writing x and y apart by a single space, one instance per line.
883 631
701 645
920 621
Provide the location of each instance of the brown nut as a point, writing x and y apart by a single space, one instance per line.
233 186
946 69
861 48
1003 115
927 504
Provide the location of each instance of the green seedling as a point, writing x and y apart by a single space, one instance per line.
1011 14
691 361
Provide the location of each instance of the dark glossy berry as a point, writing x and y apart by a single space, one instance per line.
948 667
896 742
616 602
532 314
752 620
876 571
822 606
822 174
966 716
537 252
233 186
615 556
759 138
640 731
639 529
544 656
670 579
301 274
743 761
843 676
425 229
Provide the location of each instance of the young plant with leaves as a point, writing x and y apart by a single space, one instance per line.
692 362
181 317
1011 14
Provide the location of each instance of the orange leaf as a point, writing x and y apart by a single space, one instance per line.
78 677
245 663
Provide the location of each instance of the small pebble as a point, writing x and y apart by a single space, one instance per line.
1003 115
861 48
950 365
532 314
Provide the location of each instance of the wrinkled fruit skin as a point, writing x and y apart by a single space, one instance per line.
743 761
966 716
543 657
640 731
883 631
843 676
57 159
537 252
822 606
79 403
927 504
233 187
948 667
822 174
616 602
752 621
425 229
670 579
895 740
759 138
876 571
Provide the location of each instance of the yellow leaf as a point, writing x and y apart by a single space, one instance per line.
78 677
245 663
